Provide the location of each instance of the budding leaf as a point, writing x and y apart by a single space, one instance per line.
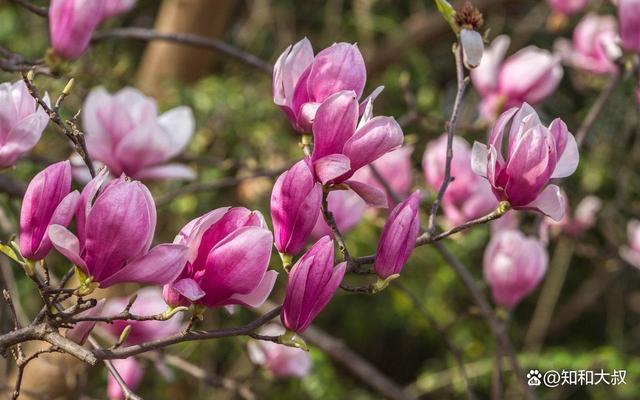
448 13
8 251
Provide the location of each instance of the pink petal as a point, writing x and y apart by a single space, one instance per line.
179 124
335 122
549 202
372 195
374 139
331 167
569 158
161 265
188 288
336 68
67 244
260 294
62 215
166 171
479 159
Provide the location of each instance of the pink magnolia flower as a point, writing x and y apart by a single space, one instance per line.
22 122
301 82
395 167
594 45
227 260
514 265
534 155
568 7
295 203
47 201
125 132
281 361
71 24
130 371
312 283
468 196
342 145
149 301
113 8
398 237
631 253
115 228
530 75
629 18
347 209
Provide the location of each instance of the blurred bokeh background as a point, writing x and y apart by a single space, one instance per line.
240 133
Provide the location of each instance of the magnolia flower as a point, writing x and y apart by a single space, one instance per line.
281 361
47 201
594 47
514 265
295 203
534 154
227 260
301 82
347 209
342 145
398 237
312 283
71 24
125 132
22 122
468 196
568 7
629 18
530 75
115 228
396 169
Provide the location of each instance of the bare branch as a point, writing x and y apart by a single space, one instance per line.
187 39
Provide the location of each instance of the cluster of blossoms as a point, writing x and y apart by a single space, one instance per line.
221 259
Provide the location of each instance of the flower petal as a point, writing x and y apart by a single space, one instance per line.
161 265
370 194
67 244
549 202
260 294
331 167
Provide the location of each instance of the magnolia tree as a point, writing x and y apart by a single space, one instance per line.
96 211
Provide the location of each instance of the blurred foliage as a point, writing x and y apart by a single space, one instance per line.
239 130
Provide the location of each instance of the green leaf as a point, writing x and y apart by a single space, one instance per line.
448 13
8 251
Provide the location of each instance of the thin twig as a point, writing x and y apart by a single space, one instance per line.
187 39
37 10
496 326
331 221
128 393
451 129
597 108
75 136
124 352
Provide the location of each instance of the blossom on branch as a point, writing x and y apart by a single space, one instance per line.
312 283
468 196
295 204
342 145
228 254
514 265
71 24
531 75
125 132
22 122
533 154
47 201
301 82
115 227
